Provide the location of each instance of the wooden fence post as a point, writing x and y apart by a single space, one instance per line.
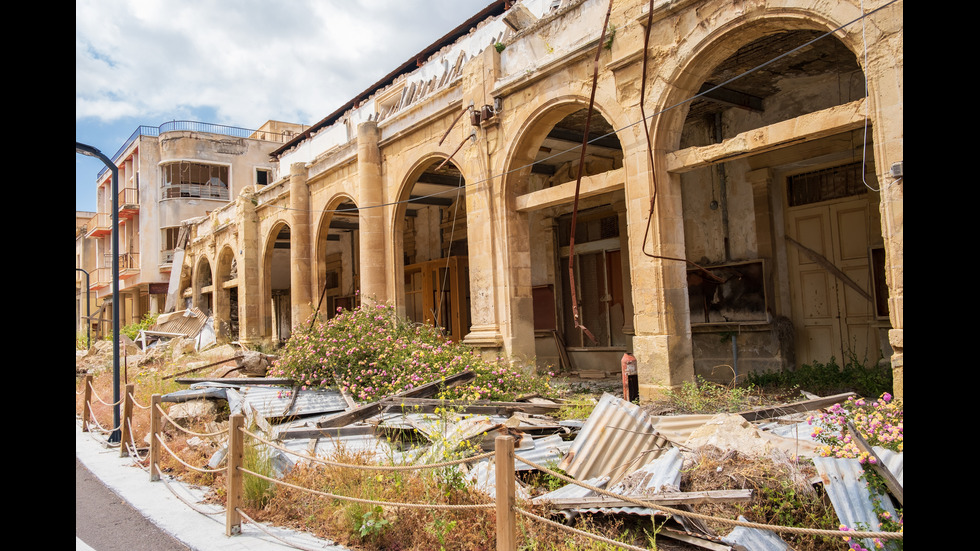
127 421
506 516
236 448
87 403
154 434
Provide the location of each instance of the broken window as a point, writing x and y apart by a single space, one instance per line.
263 176
186 179
823 185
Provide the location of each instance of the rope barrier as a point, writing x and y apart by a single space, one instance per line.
578 532
187 502
370 467
187 431
96 394
688 514
137 404
95 420
189 466
370 501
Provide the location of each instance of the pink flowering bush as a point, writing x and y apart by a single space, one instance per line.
880 422
371 352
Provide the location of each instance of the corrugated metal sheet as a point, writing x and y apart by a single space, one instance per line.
186 322
894 461
849 494
274 401
617 438
755 539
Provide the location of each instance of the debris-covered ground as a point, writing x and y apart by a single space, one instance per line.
759 465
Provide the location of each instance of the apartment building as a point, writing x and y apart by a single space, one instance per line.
738 206
178 171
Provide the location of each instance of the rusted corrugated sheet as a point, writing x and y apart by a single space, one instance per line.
185 322
617 438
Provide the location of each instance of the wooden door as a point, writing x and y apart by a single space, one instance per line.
830 278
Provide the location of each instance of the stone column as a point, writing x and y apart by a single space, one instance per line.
371 214
662 322
300 249
250 311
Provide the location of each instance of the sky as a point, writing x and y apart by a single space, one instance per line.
235 62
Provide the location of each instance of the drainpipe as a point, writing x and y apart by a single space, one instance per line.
734 358
114 437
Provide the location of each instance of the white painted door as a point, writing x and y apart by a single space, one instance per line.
830 279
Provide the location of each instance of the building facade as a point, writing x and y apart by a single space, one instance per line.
168 174
737 208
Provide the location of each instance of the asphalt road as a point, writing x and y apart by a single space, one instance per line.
106 522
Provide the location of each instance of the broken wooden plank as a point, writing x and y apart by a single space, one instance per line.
332 432
892 483
668 499
797 407
373 408
237 381
428 405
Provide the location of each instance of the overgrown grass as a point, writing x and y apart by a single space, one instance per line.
702 396
824 379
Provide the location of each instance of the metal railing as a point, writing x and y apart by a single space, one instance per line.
192 126
127 261
129 196
204 191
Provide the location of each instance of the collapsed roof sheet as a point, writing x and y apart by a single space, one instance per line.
184 322
617 438
843 479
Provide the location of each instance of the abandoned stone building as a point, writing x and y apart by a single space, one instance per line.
177 171
737 208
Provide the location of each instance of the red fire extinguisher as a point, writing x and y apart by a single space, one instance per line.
631 385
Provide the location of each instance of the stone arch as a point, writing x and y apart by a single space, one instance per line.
226 297
733 212
537 197
430 247
204 285
276 283
337 256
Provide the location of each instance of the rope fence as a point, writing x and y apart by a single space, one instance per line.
504 461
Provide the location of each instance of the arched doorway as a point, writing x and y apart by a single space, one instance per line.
786 229
434 248
226 296
204 287
598 286
278 283
338 259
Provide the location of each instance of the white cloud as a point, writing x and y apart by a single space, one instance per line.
247 60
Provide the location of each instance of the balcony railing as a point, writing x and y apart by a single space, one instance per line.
127 262
129 196
203 191
174 126
100 224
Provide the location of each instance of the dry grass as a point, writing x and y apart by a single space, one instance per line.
782 495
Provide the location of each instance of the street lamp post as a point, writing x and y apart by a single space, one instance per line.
93 152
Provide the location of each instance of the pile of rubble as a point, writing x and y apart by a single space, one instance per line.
620 447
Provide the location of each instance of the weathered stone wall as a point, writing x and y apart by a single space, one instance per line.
545 74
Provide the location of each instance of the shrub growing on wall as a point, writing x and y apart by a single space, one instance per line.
371 352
